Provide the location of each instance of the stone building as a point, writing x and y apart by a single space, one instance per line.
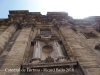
52 44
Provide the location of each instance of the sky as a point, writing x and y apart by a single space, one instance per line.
76 8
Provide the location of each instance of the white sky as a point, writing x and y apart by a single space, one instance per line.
75 8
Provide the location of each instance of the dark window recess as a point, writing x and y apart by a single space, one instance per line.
54 37
37 38
45 31
32 43
97 46
90 35
74 29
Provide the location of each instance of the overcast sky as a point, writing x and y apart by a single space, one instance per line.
75 8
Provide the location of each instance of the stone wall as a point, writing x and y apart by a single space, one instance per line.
14 59
16 35
86 56
6 36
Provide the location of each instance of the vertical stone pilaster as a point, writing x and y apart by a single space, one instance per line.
58 49
6 35
62 36
35 32
60 56
2 29
15 58
36 54
86 60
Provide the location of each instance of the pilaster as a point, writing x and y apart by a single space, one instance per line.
6 35
83 55
14 59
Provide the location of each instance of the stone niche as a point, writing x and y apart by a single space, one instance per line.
47 49
89 35
97 46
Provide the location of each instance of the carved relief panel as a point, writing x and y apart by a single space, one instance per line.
47 52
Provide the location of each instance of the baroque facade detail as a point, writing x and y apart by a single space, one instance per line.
52 44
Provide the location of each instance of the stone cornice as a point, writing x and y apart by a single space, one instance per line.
56 18
3 21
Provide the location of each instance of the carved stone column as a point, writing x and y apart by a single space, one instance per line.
58 51
6 36
36 52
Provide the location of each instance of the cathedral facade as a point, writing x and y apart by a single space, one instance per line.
52 44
